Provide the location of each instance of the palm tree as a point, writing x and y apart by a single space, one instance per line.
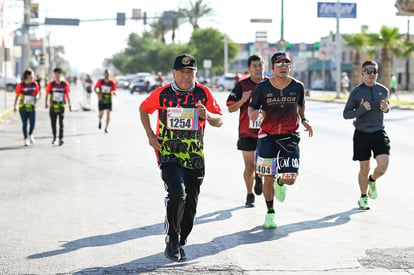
389 41
195 11
159 29
356 41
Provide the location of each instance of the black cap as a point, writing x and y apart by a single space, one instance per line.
185 61
278 56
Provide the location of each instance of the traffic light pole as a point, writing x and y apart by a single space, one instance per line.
25 35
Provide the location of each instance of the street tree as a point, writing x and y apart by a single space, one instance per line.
356 41
194 11
388 40
209 44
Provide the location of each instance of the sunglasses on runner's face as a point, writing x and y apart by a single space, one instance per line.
370 71
284 64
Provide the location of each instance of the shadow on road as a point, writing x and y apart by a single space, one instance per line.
127 235
254 235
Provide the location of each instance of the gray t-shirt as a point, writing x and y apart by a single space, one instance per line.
367 121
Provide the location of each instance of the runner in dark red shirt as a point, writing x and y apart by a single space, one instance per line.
28 92
58 90
282 99
105 88
239 99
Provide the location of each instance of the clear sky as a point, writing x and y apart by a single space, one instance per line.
89 43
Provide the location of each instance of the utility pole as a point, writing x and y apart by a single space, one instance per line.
226 65
24 63
338 50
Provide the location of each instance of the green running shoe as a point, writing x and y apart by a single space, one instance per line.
372 191
270 220
280 191
363 203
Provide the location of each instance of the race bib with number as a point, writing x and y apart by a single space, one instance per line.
255 124
29 99
182 119
106 89
58 97
266 167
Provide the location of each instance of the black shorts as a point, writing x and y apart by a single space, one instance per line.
377 142
104 106
247 144
277 159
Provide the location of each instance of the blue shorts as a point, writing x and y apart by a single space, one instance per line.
271 152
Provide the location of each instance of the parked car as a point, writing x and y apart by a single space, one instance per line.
11 83
226 82
143 83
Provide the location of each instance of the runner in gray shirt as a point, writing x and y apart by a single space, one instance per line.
367 104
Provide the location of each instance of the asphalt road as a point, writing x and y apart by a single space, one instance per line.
96 204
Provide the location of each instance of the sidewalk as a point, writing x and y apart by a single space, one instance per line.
330 96
6 104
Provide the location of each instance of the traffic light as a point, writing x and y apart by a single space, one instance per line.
316 44
287 45
41 59
145 17
120 18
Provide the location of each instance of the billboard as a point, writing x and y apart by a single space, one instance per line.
328 9
405 7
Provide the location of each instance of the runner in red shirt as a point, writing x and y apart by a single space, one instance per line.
184 107
239 99
58 90
105 88
28 92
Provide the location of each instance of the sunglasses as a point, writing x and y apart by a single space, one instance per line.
370 71
284 64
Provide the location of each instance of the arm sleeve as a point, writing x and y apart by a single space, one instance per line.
152 102
211 104
19 89
98 84
256 98
48 87
37 88
235 94
67 88
352 109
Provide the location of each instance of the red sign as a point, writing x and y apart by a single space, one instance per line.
136 14
36 44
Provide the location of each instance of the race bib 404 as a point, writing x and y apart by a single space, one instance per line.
267 167
182 119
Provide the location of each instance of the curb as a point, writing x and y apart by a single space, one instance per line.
5 115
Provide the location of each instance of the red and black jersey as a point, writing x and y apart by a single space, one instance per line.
245 128
181 129
280 107
59 91
28 93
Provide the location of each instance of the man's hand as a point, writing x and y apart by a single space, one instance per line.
201 110
308 127
154 141
246 96
366 104
384 106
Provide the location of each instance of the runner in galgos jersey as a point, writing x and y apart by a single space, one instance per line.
105 88
184 107
58 90
282 100
27 91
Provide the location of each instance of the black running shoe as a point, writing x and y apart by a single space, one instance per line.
182 253
249 201
99 125
60 142
258 186
106 130
172 250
